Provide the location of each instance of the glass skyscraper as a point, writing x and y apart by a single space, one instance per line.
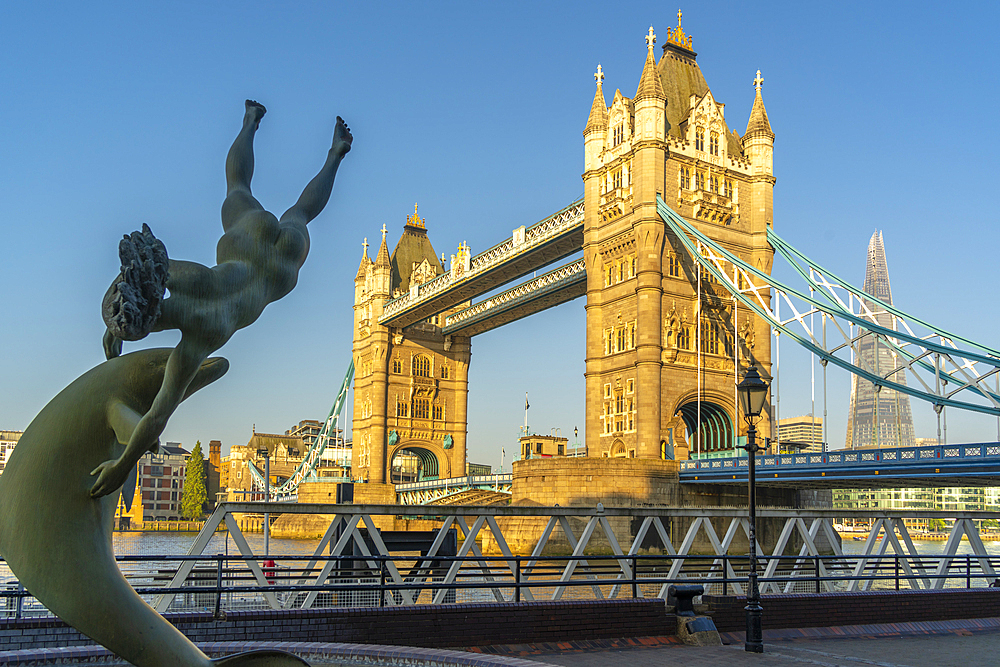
879 416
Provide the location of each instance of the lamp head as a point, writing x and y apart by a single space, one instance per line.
753 393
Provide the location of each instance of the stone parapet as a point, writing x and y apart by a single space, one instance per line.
586 481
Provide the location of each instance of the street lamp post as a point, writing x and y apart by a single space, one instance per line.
752 393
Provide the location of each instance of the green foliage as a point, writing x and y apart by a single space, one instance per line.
194 496
937 525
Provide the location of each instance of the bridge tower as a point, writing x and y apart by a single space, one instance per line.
665 345
410 384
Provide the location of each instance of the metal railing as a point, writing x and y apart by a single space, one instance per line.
222 582
894 456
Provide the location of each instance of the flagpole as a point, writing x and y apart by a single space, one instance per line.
526 406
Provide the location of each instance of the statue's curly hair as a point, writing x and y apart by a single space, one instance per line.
132 304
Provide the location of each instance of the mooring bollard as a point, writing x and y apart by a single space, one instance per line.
682 597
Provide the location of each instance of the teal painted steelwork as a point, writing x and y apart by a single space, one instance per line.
684 230
717 428
307 467
428 462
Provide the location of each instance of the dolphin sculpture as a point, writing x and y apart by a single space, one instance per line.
57 539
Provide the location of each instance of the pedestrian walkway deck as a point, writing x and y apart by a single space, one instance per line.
960 643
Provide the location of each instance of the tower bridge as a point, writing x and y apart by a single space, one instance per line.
675 229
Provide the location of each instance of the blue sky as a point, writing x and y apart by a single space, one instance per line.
115 114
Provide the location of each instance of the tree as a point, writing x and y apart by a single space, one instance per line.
194 496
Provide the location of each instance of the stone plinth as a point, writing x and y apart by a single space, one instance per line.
623 482
312 526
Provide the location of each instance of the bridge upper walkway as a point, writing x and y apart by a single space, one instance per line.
434 491
528 249
975 464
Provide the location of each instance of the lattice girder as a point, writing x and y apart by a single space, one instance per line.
968 369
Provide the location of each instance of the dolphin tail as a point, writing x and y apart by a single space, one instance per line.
260 658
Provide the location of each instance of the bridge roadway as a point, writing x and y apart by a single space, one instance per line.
527 250
975 464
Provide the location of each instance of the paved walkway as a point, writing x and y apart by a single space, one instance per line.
939 644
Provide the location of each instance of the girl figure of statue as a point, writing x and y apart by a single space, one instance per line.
259 257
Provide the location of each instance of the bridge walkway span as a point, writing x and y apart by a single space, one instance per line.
976 464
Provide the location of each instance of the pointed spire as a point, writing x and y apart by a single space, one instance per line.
649 83
382 259
598 119
365 262
758 122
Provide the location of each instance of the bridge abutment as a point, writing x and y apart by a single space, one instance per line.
587 481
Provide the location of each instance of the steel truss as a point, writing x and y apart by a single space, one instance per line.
518 255
307 467
929 357
489 313
436 490
813 529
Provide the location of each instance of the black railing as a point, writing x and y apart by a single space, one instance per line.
212 578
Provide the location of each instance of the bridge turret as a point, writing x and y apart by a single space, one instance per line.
381 272
650 100
758 146
361 279
596 133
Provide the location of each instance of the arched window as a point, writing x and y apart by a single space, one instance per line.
444 372
713 145
421 408
618 450
699 139
673 265
421 366
397 366
684 337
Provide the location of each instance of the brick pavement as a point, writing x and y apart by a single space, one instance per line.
974 643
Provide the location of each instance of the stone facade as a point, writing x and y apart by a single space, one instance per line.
657 331
410 385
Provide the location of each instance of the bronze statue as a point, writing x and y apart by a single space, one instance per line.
259 257
56 523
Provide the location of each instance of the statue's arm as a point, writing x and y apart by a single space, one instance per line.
182 366
123 421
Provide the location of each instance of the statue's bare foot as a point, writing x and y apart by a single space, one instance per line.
255 111
342 137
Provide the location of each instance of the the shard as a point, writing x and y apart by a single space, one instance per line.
879 416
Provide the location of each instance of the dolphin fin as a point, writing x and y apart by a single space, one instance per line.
128 488
261 658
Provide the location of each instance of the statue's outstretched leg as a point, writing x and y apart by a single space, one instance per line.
317 193
239 168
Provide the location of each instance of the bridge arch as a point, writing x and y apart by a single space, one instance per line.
431 459
718 432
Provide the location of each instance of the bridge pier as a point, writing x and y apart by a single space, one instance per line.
587 481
